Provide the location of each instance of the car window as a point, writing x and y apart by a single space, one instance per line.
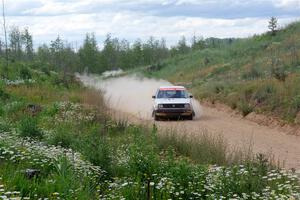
171 94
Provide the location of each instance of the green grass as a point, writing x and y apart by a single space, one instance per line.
242 73
82 153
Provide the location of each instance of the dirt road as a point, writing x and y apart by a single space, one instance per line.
132 95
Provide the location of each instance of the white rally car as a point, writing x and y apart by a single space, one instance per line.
172 101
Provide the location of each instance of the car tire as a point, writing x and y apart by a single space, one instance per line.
191 117
156 118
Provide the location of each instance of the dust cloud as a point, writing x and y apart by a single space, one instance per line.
130 94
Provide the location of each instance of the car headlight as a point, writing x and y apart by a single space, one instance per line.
187 106
160 106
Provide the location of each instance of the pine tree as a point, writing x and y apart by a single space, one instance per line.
15 38
27 39
273 23
88 53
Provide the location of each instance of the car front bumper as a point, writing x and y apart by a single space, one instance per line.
173 112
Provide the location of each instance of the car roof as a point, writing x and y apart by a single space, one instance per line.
171 88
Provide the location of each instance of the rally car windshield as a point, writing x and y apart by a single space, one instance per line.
165 94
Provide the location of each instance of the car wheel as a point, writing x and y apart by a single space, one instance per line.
191 117
156 118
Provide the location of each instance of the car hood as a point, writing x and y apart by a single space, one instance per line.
173 100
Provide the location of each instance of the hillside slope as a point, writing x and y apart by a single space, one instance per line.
260 74
58 141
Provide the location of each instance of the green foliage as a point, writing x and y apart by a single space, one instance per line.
204 149
232 100
52 110
14 109
89 54
25 73
62 137
97 150
252 73
59 181
245 108
138 162
273 25
264 93
279 73
143 157
46 70
3 95
294 107
29 127
268 65
4 126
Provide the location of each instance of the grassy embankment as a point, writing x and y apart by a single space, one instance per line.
64 132
260 73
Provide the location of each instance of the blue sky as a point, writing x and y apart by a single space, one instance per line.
132 19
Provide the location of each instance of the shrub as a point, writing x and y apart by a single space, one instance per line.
96 149
218 88
52 110
294 106
279 73
263 93
14 108
25 73
46 70
65 80
62 137
143 157
4 126
29 127
1 109
245 108
155 67
232 100
3 95
252 73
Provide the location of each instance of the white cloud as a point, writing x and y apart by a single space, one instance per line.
72 19
288 4
133 25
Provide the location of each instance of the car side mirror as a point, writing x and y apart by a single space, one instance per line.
191 96
153 97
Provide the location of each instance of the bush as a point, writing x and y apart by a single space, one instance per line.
245 108
252 73
218 88
3 94
264 93
62 137
1 109
25 73
52 110
294 106
143 157
279 73
14 108
4 126
232 100
29 127
96 149
65 80
46 70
